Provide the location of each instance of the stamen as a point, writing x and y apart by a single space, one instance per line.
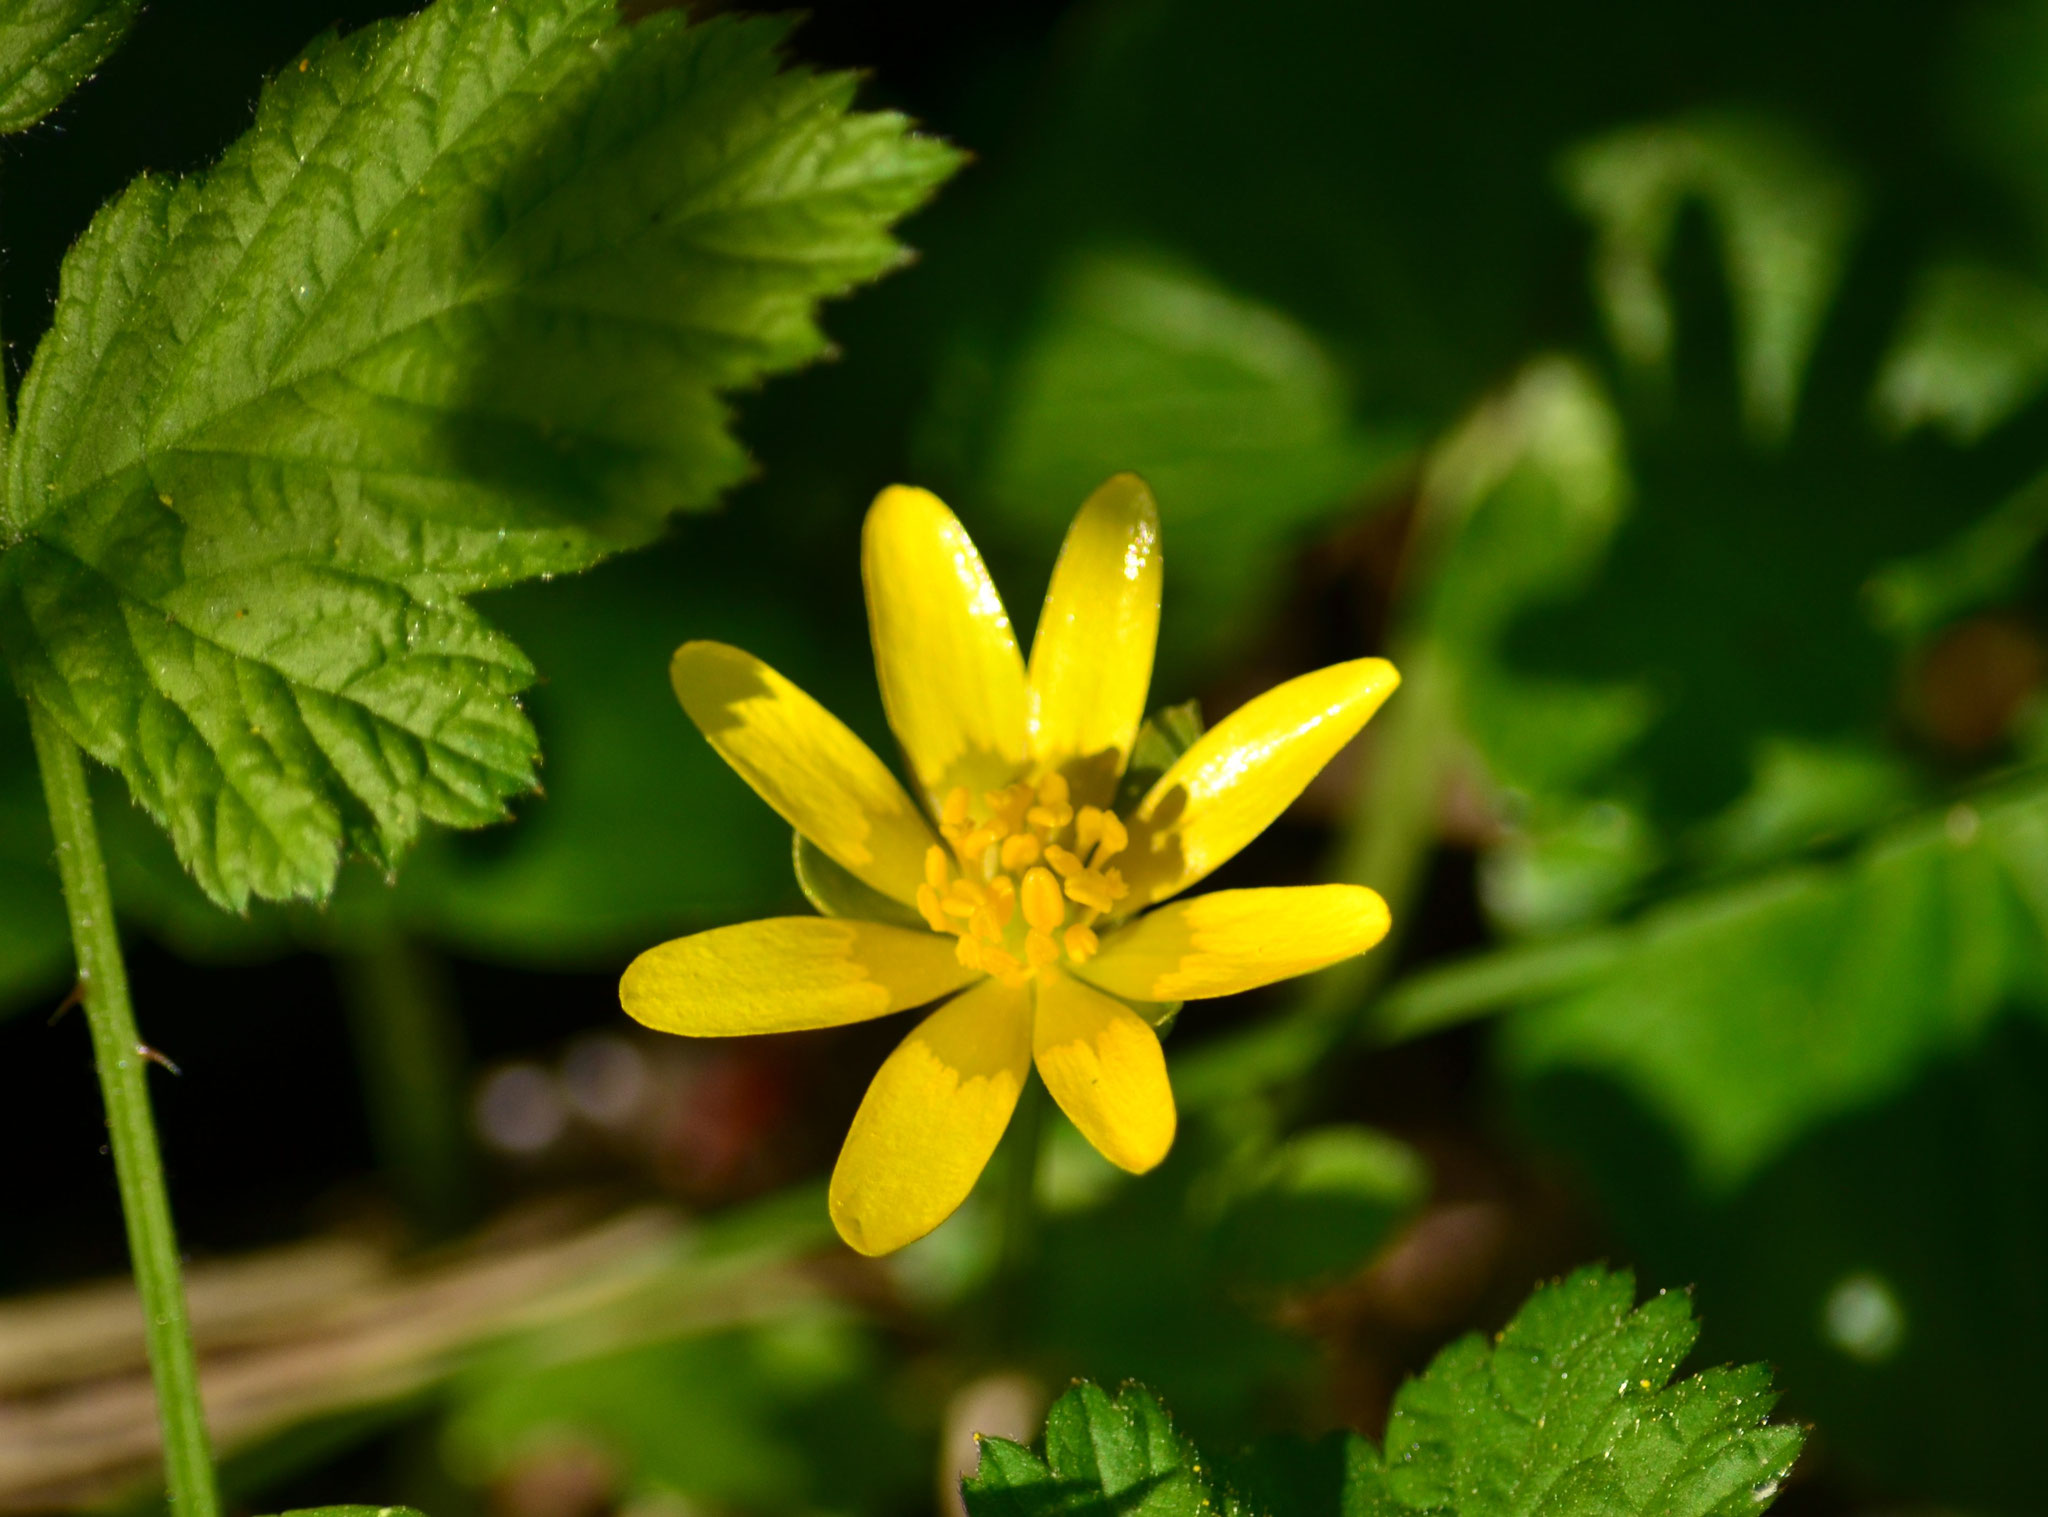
1093 888
976 897
1116 837
1063 861
1087 828
1043 908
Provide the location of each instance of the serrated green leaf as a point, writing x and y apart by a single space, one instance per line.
1101 1456
1571 1411
49 47
457 312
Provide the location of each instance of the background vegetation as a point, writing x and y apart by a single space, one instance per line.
1664 389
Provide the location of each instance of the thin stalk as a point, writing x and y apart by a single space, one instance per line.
1020 1207
120 1058
409 1047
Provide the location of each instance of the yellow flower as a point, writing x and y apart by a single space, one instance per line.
1033 892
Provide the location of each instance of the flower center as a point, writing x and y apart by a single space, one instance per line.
1026 850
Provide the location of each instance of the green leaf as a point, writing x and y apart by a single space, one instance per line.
1100 1456
1785 217
353 1511
1973 351
457 312
1571 1411
1746 1016
49 47
1164 736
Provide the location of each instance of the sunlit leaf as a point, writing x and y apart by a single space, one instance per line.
457 312
49 47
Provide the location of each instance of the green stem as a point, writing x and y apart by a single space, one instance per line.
409 1047
1020 1207
120 1058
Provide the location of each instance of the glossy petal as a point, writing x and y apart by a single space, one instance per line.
785 974
1232 940
931 1119
952 681
1091 660
1103 1064
806 763
1241 774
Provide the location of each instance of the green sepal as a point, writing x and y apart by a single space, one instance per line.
1167 734
836 892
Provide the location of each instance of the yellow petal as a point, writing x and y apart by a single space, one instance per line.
1232 940
1103 1064
931 1118
952 682
1091 659
806 763
1241 774
787 973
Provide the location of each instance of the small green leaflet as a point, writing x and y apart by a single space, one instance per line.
48 47
456 313
1569 1412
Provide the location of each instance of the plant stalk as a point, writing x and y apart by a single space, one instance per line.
409 1047
119 1056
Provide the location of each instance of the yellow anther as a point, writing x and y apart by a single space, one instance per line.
983 924
1020 851
928 907
1052 790
1093 888
956 906
1087 829
1063 861
1043 908
1040 949
969 951
978 842
1081 943
954 812
1002 899
1116 837
937 872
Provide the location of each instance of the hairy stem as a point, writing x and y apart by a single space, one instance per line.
119 1056
409 1047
